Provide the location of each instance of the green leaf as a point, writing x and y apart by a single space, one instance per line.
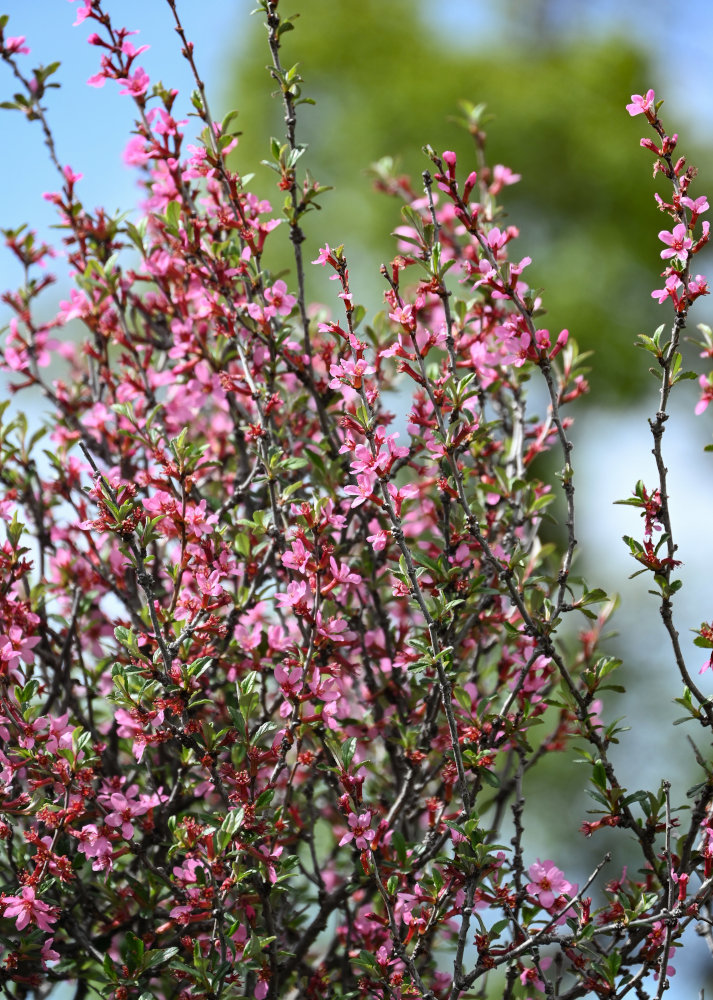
265 798
232 822
158 957
348 750
399 845
599 775
173 214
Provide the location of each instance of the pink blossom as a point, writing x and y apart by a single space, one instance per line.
70 175
121 815
342 574
16 46
290 683
405 315
670 289
60 734
517 350
82 12
349 373
28 909
297 592
335 629
548 882
30 730
127 726
678 243
502 177
129 49
530 976
496 239
135 85
640 105
196 521
166 124
359 831
698 286
364 490
697 207
325 256
279 299
379 540
269 858
298 557
48 954
209 582
706 385
324 687
408 492
15 646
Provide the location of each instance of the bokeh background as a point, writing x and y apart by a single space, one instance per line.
387 78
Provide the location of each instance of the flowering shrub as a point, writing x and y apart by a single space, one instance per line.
271 672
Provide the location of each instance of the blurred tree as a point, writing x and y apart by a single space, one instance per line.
385 82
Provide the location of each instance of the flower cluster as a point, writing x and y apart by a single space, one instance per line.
272 670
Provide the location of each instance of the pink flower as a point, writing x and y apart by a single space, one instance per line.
298 558
335 629
405 315
678 243
16 46
496 239
269 858
325 256
530 976
349 372
290 682
48 954
707 389
97 80
379 540
297 592
669 289
197 522
698 286
502 176
83 12
359 832
135 85
128 728
166 125
123 811
640 105
518 350
364 490
129 49
28 909
342 574
548 882
697 207
279 299
14 646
